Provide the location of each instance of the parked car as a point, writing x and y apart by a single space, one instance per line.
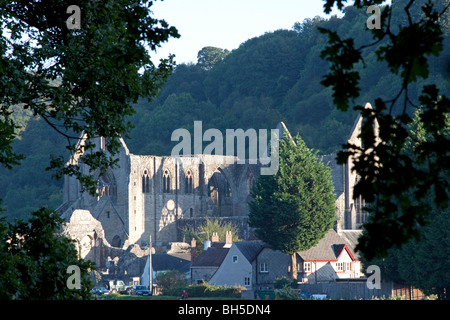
118 286
141 291
99 291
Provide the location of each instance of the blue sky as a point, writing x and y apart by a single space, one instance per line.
226 24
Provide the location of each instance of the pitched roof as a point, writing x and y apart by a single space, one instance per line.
249 248
164 261
351 239
329 248
212 257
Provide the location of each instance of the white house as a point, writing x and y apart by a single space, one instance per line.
236 267
332 258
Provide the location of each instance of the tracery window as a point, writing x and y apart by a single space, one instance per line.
106 186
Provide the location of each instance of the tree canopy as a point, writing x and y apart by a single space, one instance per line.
207 229
78 80
35 259
209 56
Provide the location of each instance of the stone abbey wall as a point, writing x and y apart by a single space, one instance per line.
152 195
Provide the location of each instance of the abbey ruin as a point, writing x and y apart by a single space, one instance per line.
162 196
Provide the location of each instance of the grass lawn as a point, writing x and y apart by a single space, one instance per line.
115 296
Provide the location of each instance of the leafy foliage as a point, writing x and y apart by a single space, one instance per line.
171 282
395 184
210 290
78 80
287 293
209 56
206 230
34 259
421 263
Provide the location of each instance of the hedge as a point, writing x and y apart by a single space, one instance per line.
209 290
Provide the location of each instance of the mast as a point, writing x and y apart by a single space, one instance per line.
150 268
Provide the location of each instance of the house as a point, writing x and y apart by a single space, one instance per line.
332 258
208 262
236 267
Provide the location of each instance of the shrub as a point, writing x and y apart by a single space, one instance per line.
176 290
282 282
170 282
210 290
287 293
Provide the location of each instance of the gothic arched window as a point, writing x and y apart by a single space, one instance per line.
145 182
213 189
188 185
166 182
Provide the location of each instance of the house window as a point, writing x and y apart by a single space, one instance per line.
339 266
246 281
307 266
348 266
263 267
234 259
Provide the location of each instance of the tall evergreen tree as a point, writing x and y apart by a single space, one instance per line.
293 209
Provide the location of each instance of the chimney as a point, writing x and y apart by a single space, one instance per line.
193 249
207 244
215 237
228 240
337 225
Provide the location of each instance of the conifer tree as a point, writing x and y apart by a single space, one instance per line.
293 209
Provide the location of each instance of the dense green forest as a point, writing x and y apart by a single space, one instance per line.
271 78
